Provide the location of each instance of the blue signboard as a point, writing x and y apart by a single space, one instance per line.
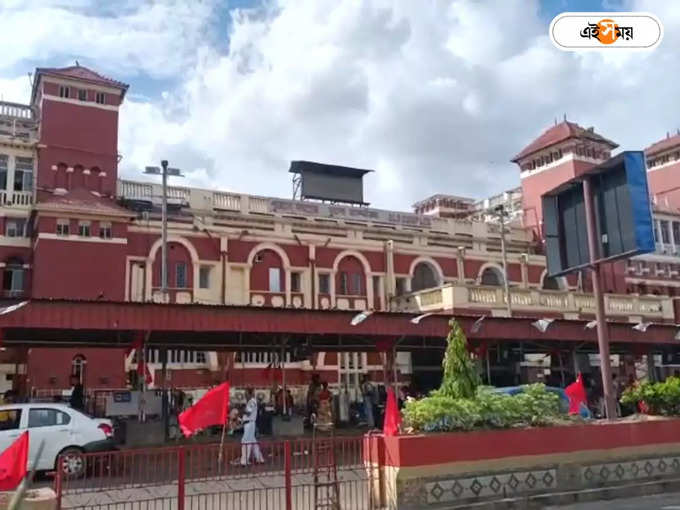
623 215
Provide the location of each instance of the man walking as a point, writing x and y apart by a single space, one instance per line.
249 444
368 392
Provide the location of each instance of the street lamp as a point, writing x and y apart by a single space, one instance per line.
164 171
501 214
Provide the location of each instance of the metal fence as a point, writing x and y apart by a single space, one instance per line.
201 477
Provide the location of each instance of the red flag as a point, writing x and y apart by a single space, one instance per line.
212 409
392 415
148 378
13 463
576 392
137 343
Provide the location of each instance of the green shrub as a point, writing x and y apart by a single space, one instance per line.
460 379
661 398
462 404
535 406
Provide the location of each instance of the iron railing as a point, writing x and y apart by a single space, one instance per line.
205 476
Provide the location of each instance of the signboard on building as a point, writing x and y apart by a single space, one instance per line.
623 223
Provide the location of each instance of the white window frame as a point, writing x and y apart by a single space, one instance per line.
105 230
25 170
84 228
186 275
329 289
82 92
63 227
274 284
64 91
100 98
204 273
293 276
15 232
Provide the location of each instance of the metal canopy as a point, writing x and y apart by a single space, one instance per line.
208 327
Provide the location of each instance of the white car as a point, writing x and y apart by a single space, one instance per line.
64 430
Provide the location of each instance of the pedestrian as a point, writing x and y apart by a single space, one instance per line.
249 445
77 399
325 414
368 393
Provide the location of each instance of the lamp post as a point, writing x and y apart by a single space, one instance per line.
164 171
501 214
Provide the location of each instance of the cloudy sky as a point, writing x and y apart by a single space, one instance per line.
434 95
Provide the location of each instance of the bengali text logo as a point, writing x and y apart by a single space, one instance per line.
574 31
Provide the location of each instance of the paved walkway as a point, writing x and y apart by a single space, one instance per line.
253 493
656 502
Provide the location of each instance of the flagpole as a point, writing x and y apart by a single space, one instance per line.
25 484
220 456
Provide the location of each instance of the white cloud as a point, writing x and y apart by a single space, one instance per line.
435 96
157 38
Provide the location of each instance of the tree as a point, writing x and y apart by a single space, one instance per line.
460 372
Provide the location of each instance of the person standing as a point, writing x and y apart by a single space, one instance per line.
249 446
325 414
368 393
77 400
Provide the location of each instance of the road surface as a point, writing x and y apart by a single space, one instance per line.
657 502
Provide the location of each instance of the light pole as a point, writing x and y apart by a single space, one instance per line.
164 171
501 213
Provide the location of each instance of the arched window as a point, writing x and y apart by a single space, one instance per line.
78 368
553 283
267 273
424 277
350 278
13 277
492 276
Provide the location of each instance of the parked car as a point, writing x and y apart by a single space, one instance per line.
64 430
584 412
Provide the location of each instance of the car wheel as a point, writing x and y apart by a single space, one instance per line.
72 463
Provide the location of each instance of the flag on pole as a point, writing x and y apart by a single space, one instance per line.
392 415
13 463
576 392
137 343
212 409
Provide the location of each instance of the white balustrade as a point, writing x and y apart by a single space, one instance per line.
132 189
16 198
258 205
487 296
226 201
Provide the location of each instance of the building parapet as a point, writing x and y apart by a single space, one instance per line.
452 297
18 121
227 202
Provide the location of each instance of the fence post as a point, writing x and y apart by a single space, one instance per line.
287 475
58 479
181 476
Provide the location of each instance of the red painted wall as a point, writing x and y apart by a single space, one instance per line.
472 267
432 449
259 274
449 266
78 135
665 179
44 364
79 270
177 253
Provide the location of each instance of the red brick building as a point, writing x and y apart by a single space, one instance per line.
71 229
